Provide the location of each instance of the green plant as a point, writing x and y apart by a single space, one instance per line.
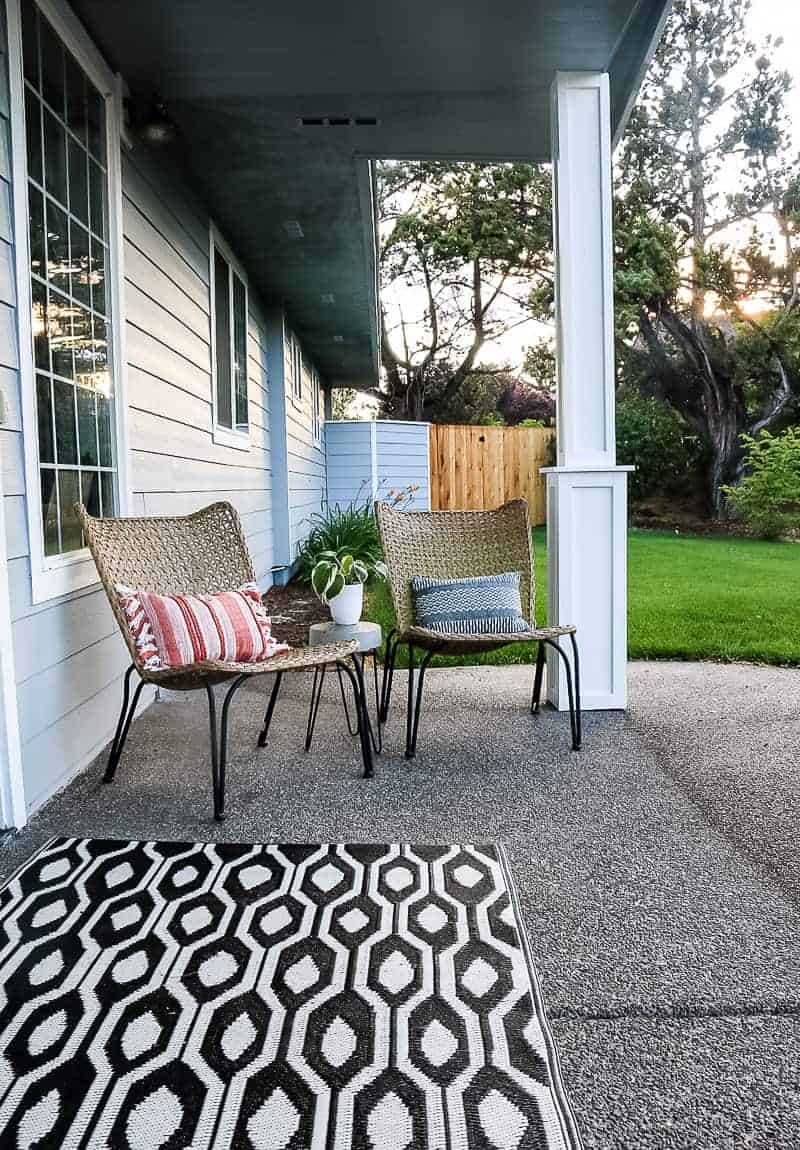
333 571
654 438
348 530
768 498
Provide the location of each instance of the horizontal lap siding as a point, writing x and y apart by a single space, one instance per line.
403 458
305 456
349 447
69 655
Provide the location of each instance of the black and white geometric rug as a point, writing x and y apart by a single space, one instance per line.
156 996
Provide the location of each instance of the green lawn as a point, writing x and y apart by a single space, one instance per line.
689 597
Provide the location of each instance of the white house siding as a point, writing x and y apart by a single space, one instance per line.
69 656
305 455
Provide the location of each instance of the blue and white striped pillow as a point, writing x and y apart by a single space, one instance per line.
481 605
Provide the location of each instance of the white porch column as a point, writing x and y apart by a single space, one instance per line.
586 491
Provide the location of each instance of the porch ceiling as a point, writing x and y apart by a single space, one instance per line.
458 79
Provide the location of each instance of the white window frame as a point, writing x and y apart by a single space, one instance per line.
55 575
296 360
316 395
227 436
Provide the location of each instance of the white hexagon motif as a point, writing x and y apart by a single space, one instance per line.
339 1042
389 1126
50 913
128 916
327 877
46 968
275 920
196 919
275 1123
438 1043
302 974
130 968
395 972
467 875
398 878
140 1034
254 875
238 1036
154 1120
354 921
118 875
39 1120
432 918
53 870
47 1032
503 1123
217 968
184 876
479 977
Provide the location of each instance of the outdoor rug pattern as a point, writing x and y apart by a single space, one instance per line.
164 995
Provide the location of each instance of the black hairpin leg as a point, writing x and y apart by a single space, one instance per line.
352 726
316 695
123 725
537 679
273 698
415 702
573 694
389 660
356 676
219 750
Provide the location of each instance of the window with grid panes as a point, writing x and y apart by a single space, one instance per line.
297 369
315 415
70 293
230 345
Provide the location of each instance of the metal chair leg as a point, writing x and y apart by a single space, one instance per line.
356 676
389 660
411 747
219 750
537 680
410 700
577 666
123 725
316 695
574 714
273 698
352 727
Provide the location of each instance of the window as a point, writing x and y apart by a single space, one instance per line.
69 275
297 369
229 346
316 422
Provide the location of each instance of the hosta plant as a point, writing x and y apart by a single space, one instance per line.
335 570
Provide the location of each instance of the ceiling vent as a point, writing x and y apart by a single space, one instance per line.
338 122
327 297
293 229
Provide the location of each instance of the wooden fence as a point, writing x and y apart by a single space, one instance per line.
476 468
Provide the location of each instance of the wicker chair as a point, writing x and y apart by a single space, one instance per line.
203 553
457 545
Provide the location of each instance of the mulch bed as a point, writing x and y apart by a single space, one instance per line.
293 609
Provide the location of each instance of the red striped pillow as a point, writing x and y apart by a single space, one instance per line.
179 630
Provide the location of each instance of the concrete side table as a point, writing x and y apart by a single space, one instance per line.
369 637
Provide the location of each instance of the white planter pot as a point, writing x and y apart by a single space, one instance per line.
346 606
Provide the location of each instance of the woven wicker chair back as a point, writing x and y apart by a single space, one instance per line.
199 554
454 545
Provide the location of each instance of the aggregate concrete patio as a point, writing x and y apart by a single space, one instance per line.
658 870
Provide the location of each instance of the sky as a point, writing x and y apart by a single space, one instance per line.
778 18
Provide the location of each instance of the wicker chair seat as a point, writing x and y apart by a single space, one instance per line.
297 659
443 643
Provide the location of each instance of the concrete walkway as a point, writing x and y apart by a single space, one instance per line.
659 869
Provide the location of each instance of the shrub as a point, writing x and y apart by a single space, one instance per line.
654 438
768 498
350 530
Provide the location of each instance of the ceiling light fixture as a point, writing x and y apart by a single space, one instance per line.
327 297
293 229
153 123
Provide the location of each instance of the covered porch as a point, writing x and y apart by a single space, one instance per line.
657 871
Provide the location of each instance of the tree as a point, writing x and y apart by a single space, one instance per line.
710 119
474 242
